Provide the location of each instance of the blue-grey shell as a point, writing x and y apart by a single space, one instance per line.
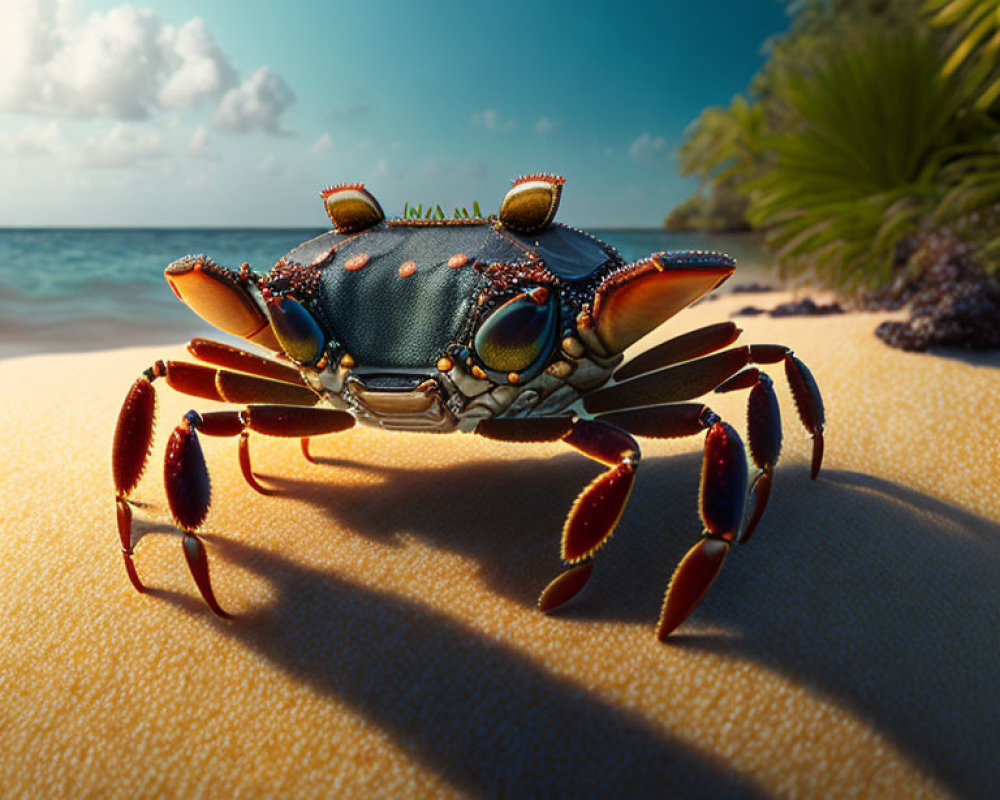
384 319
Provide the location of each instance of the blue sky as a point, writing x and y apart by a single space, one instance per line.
177 113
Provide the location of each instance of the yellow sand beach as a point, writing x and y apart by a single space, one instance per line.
385 641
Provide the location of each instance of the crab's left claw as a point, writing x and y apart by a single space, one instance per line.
634 300
185 478
723 498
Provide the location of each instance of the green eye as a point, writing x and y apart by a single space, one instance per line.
518 333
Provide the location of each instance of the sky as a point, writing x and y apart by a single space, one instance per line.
175 113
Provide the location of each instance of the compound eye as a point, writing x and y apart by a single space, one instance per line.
519 333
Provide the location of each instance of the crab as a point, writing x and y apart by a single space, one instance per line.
510 327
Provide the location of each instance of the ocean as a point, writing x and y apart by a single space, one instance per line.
71 289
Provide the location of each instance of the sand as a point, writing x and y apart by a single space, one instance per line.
386 644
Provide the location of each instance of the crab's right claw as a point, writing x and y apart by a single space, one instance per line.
224 298
185 478
723 499
809 404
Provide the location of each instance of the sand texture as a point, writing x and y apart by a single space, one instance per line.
385 641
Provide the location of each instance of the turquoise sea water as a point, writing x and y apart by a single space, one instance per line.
78 289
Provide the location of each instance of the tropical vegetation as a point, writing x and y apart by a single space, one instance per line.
872 124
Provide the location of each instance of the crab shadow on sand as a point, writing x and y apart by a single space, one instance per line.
877 597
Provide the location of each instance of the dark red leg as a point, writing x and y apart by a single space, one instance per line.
271 382
222 355
690 345
809 404
129 453
282 421
764 434
723 498
597 509
186 477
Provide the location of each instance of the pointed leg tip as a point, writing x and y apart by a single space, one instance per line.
762 492
197 559
817 456
565 587
133 576
305 451
665 628
247 468
692 578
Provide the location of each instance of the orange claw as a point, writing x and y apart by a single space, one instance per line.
692 578
565 587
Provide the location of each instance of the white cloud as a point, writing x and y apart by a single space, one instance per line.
255 105
491 120
124 145
199 69
324 144
647 148
546 125
33 140
124 63
198 146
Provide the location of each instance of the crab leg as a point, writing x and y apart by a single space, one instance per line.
223 355
764 433
186 477
129 453
134 431
186 480
281 421
809 404
672 384
723 497
597 509
690 345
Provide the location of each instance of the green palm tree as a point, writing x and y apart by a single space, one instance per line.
974 41
869 124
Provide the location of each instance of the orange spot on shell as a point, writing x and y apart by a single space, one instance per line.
478 372
458 260
356 262
407 268
444 364
513 377
346 361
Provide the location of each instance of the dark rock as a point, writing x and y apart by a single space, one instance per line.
805 307
953 303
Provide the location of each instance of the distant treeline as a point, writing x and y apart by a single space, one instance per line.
871 124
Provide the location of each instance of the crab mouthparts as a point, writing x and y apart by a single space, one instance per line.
219 296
